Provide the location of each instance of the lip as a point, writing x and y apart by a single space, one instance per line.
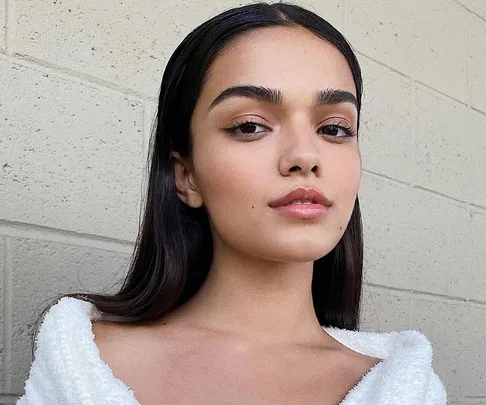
303 194
304 211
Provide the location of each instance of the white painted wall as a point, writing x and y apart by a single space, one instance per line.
78 88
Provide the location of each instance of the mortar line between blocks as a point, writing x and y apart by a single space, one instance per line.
75 76
440 93
411 304
418 82
146 135
469 258
468 73
7 315
413 180
147 127
470 11
10 26
429 295
479 208
345 15
385 177
478 111
382 64
39 232
5 21
440 195
8 398
469 400
144 127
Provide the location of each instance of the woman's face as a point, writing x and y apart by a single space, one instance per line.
237 174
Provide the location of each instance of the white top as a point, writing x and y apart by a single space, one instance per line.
68 370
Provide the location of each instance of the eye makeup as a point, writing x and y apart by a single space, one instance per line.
248 124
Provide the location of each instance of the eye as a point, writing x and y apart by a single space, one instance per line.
246 127
249 128
339 131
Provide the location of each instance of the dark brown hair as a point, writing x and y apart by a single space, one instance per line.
174 247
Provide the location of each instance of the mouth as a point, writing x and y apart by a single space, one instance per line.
302 196
304 211
302 203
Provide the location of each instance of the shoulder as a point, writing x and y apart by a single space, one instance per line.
384 344
62 336
407 360
67 321
112 338
67 367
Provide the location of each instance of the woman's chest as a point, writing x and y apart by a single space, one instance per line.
228 379
189 371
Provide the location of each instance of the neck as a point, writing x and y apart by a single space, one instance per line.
256 299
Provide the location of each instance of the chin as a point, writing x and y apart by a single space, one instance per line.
298 252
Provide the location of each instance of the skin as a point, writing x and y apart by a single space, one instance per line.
263 261
250 334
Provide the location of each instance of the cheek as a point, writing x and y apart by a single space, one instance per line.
234 191
230 183
342 165
350 176
347 178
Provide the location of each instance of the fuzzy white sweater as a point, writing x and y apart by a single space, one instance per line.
68 370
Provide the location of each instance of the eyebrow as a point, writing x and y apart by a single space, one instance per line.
274 96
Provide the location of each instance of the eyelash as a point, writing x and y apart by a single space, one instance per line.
348 130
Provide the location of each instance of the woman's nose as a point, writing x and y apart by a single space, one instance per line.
300 152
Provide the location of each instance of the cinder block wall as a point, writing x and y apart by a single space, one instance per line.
78 89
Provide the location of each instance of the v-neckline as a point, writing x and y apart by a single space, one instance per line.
120 384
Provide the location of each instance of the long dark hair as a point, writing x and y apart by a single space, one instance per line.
174 247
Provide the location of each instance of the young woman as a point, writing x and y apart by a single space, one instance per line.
246 279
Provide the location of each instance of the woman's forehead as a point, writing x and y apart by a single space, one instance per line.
290 59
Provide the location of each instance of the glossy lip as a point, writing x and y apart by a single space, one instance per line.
303 194
304 211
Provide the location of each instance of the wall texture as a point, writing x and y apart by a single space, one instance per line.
78 89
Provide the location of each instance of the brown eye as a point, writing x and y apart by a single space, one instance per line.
338 131
246 128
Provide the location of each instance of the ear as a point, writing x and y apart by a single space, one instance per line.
185 185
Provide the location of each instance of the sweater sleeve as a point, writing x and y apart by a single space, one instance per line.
43 386
436 394
67 368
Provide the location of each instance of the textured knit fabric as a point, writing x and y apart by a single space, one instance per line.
68 370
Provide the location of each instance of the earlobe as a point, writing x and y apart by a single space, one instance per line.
185 188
